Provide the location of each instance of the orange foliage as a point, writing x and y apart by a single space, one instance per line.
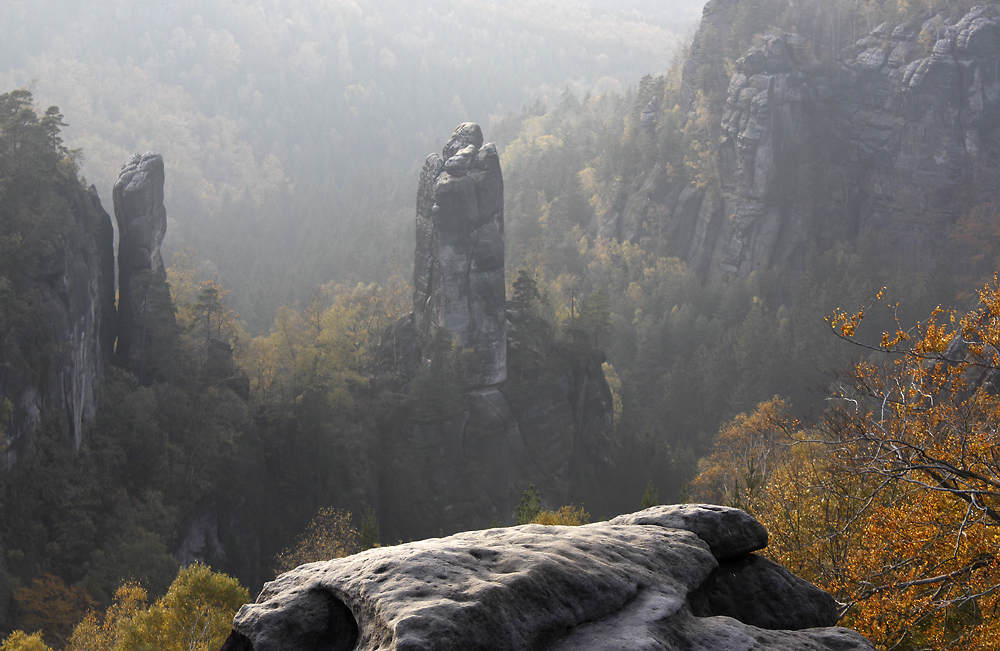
567 515
52 607
893 503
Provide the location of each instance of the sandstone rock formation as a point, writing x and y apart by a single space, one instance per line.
879 141
458 275
71 282
471 467
666 578
143 297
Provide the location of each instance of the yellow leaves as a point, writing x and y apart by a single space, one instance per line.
894 503
845 322
329 535
195 615
594 189
568 515
48 605
21 641
738 471
896 339
103 634
325 345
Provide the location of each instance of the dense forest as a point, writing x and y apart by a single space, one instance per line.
266 413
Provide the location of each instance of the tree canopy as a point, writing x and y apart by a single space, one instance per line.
890 501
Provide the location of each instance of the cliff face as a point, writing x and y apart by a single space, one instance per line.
877 141
54 356
52 363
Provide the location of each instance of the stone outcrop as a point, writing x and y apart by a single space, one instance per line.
666 578
471 466
885 141
458 274
52 364
143 296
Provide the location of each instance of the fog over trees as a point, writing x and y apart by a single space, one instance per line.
292 131
693 225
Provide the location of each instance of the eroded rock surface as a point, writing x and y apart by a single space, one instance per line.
53 356
554 431
143 297
646 582
458 275
885 142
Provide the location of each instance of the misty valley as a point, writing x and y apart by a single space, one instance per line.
499 325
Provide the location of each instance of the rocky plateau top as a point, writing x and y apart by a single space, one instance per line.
669 577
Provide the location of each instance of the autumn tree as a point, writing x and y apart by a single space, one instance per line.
892 502
568 515
743 458
331 534
530 511
52 607
102 633
21 641
196 614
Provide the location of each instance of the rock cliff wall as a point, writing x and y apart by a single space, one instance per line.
52 364
675 577
473 468
883 141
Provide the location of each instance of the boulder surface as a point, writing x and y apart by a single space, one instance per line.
646 581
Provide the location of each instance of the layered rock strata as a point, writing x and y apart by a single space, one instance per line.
888 139
666 578
458 274
143 296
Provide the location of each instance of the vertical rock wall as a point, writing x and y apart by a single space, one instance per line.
886 141
53 364
458 275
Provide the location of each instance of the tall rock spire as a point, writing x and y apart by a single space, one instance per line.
143 296
458 275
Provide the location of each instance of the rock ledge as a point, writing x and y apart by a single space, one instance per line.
665 578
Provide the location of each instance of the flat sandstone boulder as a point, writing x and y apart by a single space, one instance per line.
645 581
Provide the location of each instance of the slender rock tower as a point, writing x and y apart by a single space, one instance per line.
458 274
143 296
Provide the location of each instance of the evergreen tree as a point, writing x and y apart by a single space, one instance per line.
530 505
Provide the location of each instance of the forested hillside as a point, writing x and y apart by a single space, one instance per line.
703 233
691 344
293 131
